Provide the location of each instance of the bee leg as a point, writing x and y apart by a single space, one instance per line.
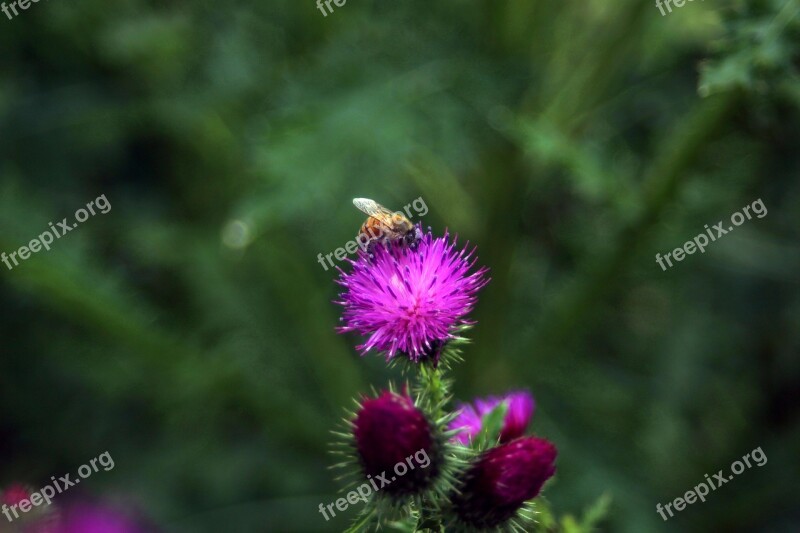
371 249
412 238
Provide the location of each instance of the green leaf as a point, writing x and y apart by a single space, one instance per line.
596 512
491 426
570 525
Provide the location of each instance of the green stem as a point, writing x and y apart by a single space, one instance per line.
427 521
434 390
433 380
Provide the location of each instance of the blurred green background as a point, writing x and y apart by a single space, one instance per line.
190 331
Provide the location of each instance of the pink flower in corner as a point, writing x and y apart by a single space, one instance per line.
13 494
38 519
98 517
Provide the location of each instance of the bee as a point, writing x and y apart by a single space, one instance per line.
384 226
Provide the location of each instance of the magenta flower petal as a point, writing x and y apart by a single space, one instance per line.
503 479
469 420
407 299
520 412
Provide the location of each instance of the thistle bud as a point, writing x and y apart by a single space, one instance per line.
502 480
396 444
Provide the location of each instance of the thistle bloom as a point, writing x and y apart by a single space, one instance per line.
470 417
409 299
389 430
502 480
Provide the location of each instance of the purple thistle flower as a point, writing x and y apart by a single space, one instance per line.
87 517
409 299
502 480
470 418
388 430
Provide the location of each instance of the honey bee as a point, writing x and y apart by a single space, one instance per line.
384 226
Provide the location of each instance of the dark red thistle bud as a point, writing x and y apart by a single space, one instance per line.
503 479
395 444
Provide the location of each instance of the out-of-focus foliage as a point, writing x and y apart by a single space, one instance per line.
189 331
760 50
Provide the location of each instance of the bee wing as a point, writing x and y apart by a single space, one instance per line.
371 208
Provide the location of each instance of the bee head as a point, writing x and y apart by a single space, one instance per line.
413 236
400 223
